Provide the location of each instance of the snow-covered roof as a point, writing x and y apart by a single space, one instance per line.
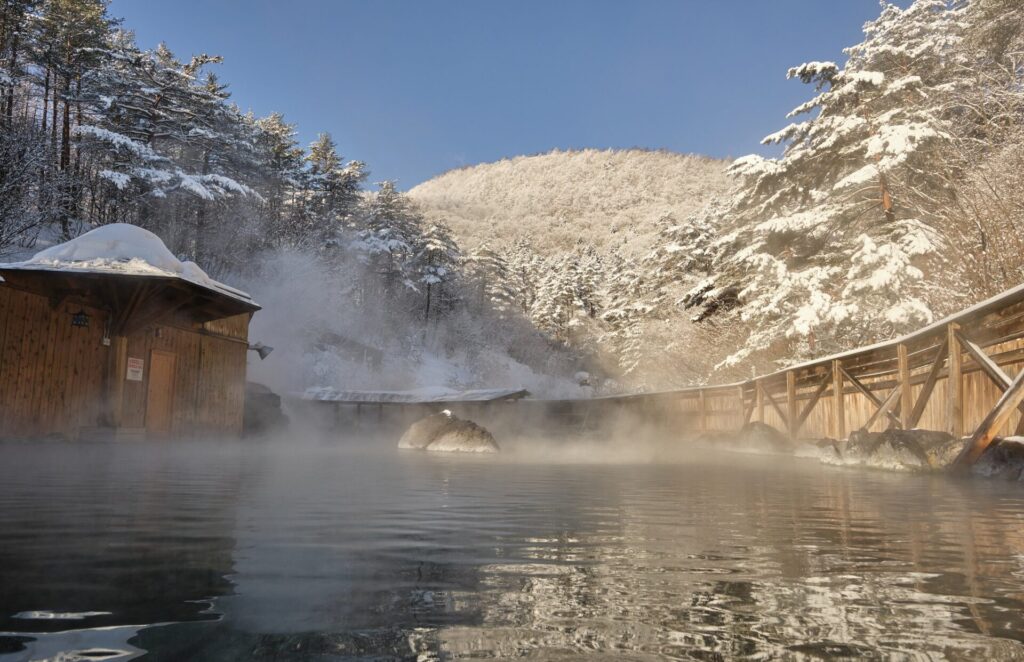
433 394
126 250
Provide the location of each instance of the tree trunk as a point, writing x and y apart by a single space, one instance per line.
13 69
200 238
46 97
65 129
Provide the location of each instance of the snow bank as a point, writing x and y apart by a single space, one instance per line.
123 249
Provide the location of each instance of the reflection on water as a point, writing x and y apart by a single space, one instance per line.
238 552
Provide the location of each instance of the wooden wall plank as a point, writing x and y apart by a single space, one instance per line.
53 375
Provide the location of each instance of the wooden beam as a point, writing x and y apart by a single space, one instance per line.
929 385
868 394
775 405
791 407
812 402
838 401
746 409
885 408
954 385
759 397
988 366
992 370
903 378
996 418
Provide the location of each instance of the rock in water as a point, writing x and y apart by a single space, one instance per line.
263 413
447 433
1004 459
422 432
765 437
901 450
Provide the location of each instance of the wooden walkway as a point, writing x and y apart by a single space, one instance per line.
963 374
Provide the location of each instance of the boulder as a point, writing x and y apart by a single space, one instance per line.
263 413
447 433
1003 459
761 436
900 450
421 433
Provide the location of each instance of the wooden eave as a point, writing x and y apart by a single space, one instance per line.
134 301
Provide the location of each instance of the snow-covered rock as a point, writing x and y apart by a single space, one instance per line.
445 432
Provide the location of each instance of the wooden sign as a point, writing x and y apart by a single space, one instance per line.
135 367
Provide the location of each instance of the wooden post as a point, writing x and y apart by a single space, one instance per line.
903 376
742 397
996 418
838 401
791 410
703 412
759 391
954 385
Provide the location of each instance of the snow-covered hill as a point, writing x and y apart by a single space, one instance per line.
610 198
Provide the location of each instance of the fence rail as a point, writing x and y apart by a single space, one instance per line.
963 374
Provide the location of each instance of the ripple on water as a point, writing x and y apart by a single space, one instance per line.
243 552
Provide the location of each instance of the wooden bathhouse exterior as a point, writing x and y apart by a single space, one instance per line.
120 353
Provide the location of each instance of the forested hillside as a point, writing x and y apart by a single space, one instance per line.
614 198
896 199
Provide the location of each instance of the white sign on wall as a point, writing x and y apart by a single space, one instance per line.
135 369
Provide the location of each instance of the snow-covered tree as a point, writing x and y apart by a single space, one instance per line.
832 240
625 311
437 261
332 184
489 279
282 173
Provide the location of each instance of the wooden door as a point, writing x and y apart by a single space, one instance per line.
160 393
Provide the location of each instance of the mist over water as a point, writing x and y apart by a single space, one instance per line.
316 317
286 550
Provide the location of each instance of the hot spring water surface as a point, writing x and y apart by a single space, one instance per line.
243 552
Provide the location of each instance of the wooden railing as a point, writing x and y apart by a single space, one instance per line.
963 374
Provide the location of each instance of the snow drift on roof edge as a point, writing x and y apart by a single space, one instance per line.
124 249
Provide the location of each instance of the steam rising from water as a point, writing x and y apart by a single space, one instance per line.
302 300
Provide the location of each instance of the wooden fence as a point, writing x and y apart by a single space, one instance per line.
963 374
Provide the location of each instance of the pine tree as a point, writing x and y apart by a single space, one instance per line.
437 261
389 237
282 170
832 238
70 38
624 314
489 277
525 271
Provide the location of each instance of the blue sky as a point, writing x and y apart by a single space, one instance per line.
416 87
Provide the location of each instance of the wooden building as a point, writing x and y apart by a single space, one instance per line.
107 353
